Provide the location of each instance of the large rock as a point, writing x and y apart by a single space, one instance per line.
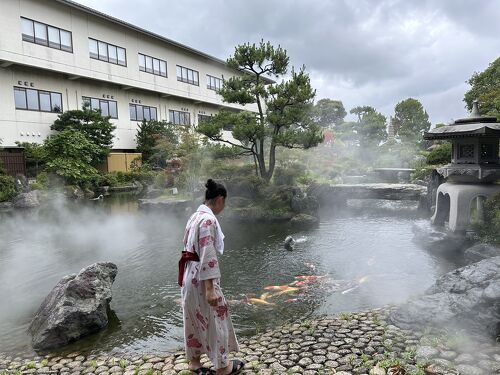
76 307
467 297
438 240
304 204
304 221
27 200
481 251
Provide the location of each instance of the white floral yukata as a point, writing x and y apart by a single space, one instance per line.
207 329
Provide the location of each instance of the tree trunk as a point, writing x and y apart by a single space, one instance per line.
272 162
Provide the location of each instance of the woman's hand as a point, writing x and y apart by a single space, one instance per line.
210 294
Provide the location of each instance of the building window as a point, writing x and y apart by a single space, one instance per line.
37 100
187 75
203 118
179 118
107 107
142 113
214 83
46 35
107 52
152 65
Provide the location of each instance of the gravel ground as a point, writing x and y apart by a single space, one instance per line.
356 343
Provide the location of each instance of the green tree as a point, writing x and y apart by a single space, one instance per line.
284 115
329 112
96 128
410 120
69 154
156 140
34 154
485 88
371 126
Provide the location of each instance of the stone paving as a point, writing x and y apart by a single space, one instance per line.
358 343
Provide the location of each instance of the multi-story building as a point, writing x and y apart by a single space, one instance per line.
55 55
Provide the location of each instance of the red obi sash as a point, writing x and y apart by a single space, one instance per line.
186 257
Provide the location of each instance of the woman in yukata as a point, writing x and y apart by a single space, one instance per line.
207 324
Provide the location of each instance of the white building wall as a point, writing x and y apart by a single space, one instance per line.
76 74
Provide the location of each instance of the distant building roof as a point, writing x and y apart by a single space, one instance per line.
107 17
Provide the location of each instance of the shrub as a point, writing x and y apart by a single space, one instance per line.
288 175
7 188
422 171
157 141
90 123
69 155
250 186
223 171
143 175
490 230
160 181
2 169
440 155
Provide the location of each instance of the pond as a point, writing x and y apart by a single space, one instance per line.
365 258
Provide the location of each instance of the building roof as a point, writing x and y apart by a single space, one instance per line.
107 17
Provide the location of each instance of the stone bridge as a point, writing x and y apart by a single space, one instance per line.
339 194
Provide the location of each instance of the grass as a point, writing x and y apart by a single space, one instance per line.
31 365
93 363
123 363
44 362
345 316
390 362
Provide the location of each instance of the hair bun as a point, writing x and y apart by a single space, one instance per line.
211 184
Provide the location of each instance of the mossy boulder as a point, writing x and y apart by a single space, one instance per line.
304 221
258 213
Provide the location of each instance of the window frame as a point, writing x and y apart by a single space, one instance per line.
48 41
151 68
181 115
51 94
144 107
216 80
89 99
202 118
185 77
106 48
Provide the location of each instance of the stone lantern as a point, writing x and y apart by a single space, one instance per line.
473 171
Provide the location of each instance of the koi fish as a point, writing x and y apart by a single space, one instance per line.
299 283
276 287
349 290
290 300
258 301
265 296
285 291
363 279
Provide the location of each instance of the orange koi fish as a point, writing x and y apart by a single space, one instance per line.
258 301
276 287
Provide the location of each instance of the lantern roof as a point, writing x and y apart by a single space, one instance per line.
473 126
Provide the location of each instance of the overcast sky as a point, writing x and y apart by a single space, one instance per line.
363 52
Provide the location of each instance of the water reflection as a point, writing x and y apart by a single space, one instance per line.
39 248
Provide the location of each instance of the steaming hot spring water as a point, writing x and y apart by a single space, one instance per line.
357 260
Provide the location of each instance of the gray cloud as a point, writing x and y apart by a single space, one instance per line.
359 51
